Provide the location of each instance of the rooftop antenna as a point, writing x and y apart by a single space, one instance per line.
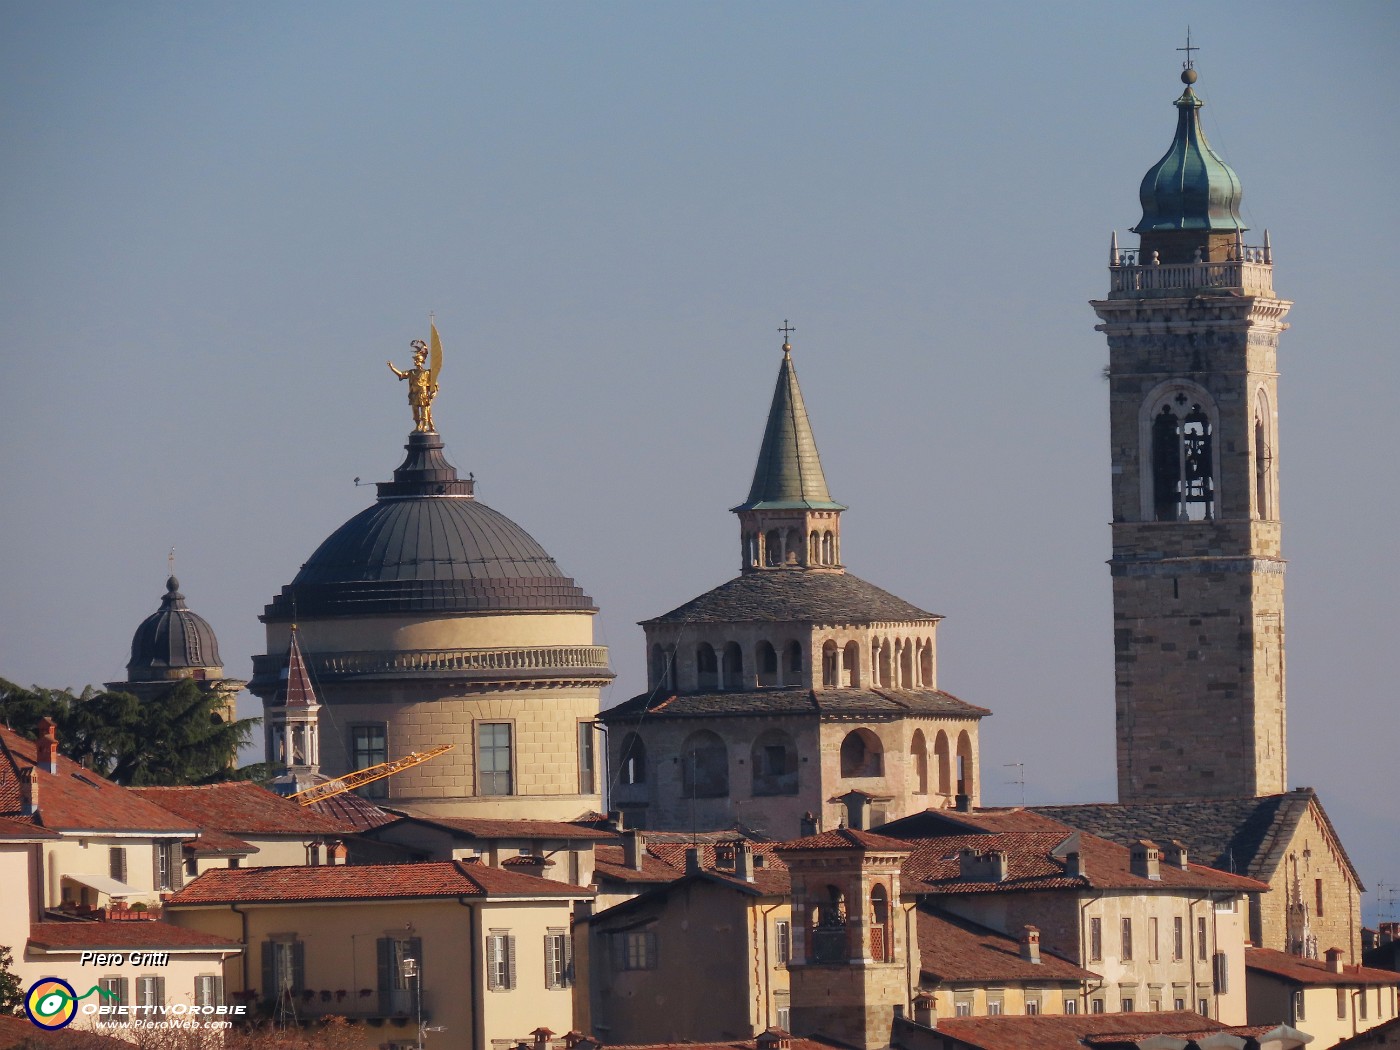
1020 768
1189 63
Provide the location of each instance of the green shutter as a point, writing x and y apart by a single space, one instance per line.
385 947
510 961
269 969
298 967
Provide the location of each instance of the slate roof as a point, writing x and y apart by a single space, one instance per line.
1245 835
171 637
795 596
954 949
122 935
241 807
1069 1031
77 799
352 811
795 701
1313 971
366 882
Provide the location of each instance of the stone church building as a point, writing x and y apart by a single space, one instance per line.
778 693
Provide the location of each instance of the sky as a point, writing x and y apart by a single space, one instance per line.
218 220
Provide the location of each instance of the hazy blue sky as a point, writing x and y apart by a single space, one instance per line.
219 219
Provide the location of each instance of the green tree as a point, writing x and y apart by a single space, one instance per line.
11 990
175 738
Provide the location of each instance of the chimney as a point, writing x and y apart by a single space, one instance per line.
48 745
29 791
634 848
572 1038
542 1038
743 862
808 825
1145 860
962 802
982 867
924 1010
1175 854
692 860
773 1039
857 805
1074 863
1389 932
1030 944
336 853
1334 960
615 819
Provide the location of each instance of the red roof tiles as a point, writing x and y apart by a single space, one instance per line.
366 882
847 838
1313 971
241 807
490 828
953 949
1068 1031
82 936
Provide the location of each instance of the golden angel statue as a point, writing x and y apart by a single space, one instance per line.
423 381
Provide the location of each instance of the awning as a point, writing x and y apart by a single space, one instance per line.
105 884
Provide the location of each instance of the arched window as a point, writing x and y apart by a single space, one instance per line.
852 675
774 762
633 757
942 757
733 666
794 547
814 552
794 662
880 946
918 761
704 766
906 664
966 769
828 548
706 666
861 754
749 553
884 677
660 668
831 665
767 665
1263 459
926 664
1180 433
773 547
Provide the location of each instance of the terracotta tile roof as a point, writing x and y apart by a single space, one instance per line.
1313 971
352 811
1069 1031
847 838
610 864
220 844
1379 1036
488 828
953 949
241 807
366 882
739 1044
664 862
76 799
673 853
123 935
22 831
793 701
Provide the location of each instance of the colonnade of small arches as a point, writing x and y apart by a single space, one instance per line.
891 663
886 663
775 548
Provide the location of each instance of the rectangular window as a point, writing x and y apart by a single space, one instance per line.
1155 1005
396 986
1127 937
1317 892
1096 1006
782 1010
993 1007
1032 1007
116 862
1178 1004
208 990
1341 1004
1095 939
1127 1006
962 1008
1153 943
500 961
115 986
1201 953
283 966
1361 1005
369 746
1299 1014
1203 1007
586 784
1220 972
1178 941
150 991
782 939
558 961
634 950
1071 1006
493 759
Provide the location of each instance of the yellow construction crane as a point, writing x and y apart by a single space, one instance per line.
349 782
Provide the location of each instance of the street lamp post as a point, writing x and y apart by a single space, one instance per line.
409 968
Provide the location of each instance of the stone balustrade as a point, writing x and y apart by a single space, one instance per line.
1250 274
587 660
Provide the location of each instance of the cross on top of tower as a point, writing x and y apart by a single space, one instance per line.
786 329
1189 64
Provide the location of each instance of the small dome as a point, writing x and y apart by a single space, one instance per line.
1190 188
427 545
172 639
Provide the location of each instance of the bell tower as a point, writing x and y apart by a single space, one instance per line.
1197 569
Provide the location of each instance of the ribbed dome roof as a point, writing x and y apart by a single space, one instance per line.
172 638
1190 188
427 545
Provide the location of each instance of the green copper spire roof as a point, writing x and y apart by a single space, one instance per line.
789 472
1190 188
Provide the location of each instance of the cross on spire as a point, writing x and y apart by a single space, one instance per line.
786 329
1189 64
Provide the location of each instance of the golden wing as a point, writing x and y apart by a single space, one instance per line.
434 354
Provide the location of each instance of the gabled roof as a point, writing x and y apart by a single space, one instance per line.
610 864
240 807
77 799
846 839
220 844
477 828
796 596
79 936
1245 835
953 949
1069 1031
1380 1036
366 882
789 471
1298 970
933 703
664 862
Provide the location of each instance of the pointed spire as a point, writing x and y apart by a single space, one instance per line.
789 471
296 689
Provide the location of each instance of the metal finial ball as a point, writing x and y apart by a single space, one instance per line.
1188 77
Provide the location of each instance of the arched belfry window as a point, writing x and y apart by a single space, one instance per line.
1181 456
1263 459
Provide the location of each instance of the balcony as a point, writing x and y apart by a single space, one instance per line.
1250 273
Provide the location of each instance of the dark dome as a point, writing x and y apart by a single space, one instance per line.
427 545
171 638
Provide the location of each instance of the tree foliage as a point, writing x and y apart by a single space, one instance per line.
11 990
175 738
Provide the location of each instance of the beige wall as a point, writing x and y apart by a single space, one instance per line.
1339 926
90 855
1271 1001
17 877
398 633
1051 997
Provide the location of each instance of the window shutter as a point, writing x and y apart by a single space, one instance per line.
568 942
510 961
386 974
218 991
157 855
550 943
160 991
298 966
117 862
1222 973
493 964
177 870
269 968
415 949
